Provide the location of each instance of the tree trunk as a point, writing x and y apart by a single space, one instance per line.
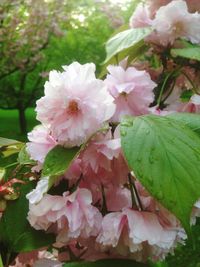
22 120
21 107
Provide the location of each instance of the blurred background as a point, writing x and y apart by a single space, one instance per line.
37 36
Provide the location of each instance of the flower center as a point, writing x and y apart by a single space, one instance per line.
179 28
72 108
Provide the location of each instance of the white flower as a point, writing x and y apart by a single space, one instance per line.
174 21
37 194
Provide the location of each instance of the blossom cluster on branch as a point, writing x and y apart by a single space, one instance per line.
103 210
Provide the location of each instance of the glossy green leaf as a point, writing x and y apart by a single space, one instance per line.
107 263
9 147
7 151
125 40
7 142
189 119
58 160
24 158
165 156
189 52
15 230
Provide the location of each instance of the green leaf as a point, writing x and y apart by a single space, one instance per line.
107 263
191 120
7 142
190 52
24 158
2 173
165 156
1 262
58 160
124 40
7 151
186 95
9 147
15 230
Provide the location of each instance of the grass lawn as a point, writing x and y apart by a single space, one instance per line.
9 125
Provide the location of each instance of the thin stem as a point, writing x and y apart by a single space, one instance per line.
138 200
191 82
175 72
132 191
72 256
162 88
12 164
134 194
75 186
171 90
104 205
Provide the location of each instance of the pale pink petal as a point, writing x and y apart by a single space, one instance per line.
132 90
75 105
41 142
140 17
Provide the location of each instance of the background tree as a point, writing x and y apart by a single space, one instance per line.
38 35
25 31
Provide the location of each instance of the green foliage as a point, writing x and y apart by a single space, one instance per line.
132 38
58 160
9 123
189 52
15 232
164 155
24 158
9 147
187 255
106 263
191 120
7 142
83 41
186 95
78 40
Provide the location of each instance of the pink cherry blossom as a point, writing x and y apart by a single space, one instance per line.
118 198
132 90
103 164
136 232
75 170
154 5
174 102
70 216
50 209
37 194
100 151
75 104
140 17
83 219
157 111
41 142
179 23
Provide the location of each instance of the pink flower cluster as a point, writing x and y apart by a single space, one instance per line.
75 104
169 19
97 203
103 211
